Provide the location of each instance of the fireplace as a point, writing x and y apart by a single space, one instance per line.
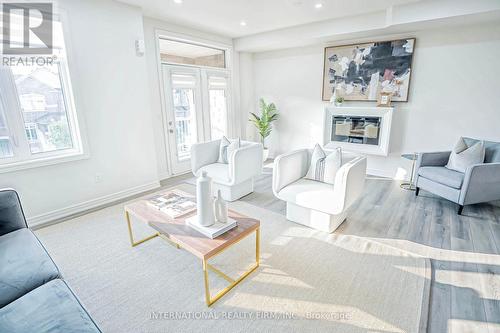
361 129
356 129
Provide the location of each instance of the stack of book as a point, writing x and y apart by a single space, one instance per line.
174 203
213 231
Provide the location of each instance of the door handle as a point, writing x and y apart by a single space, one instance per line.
171 130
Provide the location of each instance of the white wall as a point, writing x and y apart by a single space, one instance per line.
453 92
247 95
111 93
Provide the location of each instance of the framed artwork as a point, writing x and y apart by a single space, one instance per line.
384 99
360 72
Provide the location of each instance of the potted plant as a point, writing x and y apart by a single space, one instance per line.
339 100
269 113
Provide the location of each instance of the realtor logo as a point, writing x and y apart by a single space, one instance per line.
27 28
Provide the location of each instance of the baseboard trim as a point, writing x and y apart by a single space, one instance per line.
58 214
379 173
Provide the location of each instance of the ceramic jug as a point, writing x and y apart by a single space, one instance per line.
204 201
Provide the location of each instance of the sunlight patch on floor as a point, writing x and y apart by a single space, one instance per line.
305 309
280 279
440 254
462 325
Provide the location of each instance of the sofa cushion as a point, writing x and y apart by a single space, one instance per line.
51 307
442 175
11 213
311 194
219 172
24 265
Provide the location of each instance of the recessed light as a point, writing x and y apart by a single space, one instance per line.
178 1
318 5
243 23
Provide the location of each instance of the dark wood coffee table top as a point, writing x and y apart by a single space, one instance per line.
188 238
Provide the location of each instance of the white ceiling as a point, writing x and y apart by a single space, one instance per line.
224 16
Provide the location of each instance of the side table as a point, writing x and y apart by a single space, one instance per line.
409 185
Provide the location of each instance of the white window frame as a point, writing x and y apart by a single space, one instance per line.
23 158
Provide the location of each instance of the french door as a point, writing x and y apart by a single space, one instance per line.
197 104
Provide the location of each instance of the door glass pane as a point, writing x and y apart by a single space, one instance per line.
43 107
218 106
218 113
191 54
185 121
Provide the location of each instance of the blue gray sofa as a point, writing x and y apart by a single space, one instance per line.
480 182
33 295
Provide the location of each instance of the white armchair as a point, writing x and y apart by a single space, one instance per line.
234 179
315 204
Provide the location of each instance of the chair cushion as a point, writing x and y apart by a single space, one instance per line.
492 150
24 265
49 308
443 176
310 194
324 167
463 156
227 148
219 172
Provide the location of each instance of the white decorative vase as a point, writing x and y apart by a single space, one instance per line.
265 154
220 208
204 201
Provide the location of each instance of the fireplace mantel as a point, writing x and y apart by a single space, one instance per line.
361 129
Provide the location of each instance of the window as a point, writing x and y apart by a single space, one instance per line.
182 53
31 132
217 95
37 116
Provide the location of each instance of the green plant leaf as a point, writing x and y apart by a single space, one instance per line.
269 113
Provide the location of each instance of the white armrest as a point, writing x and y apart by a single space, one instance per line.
203 154
246 162
349 183
289 168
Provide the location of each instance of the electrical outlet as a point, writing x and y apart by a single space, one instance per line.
98 177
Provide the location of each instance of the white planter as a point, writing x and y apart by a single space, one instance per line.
265 154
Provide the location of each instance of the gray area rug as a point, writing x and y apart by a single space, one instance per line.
308 281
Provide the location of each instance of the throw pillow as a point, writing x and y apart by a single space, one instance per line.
226 149
462 156
323 167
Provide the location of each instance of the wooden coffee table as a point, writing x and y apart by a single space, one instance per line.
182 236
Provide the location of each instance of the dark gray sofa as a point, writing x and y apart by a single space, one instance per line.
33 295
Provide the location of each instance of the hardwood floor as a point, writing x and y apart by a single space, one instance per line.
464 250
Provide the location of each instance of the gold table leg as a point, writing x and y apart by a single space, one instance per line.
232 283
135 243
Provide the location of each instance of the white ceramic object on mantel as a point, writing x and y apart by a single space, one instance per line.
204 200
220 208
265 154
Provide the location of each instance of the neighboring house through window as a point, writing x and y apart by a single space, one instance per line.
37 114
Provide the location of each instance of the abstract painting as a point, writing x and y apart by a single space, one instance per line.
361 72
